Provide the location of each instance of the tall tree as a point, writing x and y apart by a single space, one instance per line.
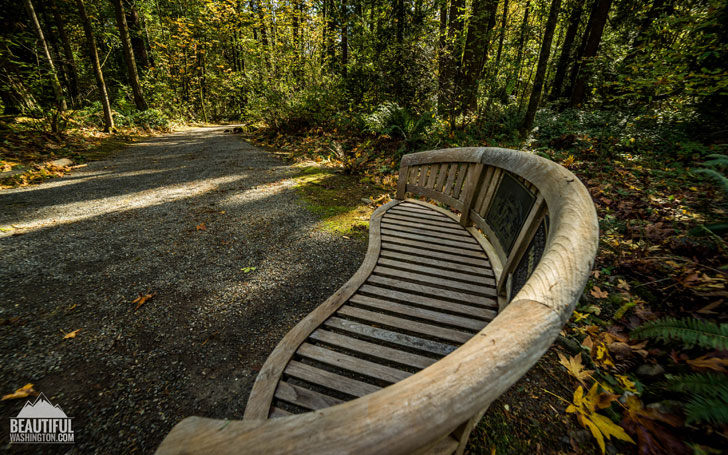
136 35
55 83
475 53
69 61
557 85
597 21
504 20
131 67
543 60
94 56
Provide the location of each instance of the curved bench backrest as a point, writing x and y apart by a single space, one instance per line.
510 196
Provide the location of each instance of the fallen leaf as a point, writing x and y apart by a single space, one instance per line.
621 284
598 293
142 299
248 269
201 227
710 363
575 368
23 392
708 309
71 334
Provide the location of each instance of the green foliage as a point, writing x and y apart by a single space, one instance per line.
707 395
395 121
149 119
689 331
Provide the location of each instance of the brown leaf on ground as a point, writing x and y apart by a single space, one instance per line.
201 227
23 392
709 363
598 293
142 299
71 334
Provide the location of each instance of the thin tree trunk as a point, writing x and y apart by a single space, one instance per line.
55 83
131 67
442 58
543 60
70 62
94 55
344 38
600 13
521 45
557 87
503 32
475 53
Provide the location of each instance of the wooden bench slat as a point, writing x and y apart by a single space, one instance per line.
419 213
451 173
402 339
412 218
433 280
464 169
397 246
351 363
427 227
452 250
441 178
477 312
372 349
434 170
300 396
478 280
440 264
405 324
430 290
278 412
434 316
461 237
329 380
420 208
436 239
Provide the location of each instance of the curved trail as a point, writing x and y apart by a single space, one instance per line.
179 216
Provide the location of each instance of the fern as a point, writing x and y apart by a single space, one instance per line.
705 384
707 409
689 331
718 178
717 160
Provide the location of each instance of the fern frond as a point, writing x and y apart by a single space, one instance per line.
708 410
718 178
703 384
717 160
690 331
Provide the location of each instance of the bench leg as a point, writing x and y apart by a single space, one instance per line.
462 433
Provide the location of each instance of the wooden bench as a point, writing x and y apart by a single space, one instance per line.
446 312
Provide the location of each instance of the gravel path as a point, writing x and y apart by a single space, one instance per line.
180 216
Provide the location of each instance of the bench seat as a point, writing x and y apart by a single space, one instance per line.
431 289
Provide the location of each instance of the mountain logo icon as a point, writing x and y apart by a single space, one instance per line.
42 408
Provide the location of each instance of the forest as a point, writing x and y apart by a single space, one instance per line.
630 95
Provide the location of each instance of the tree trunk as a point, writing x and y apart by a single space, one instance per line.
131 67
55 83
344 39
475 52
521 45
69 62
543 60
94 55
600 12
136 36
442 58
15 95
502 33
557 87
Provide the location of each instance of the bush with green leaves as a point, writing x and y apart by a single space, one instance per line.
398 122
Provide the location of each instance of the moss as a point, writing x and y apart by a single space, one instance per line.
336 199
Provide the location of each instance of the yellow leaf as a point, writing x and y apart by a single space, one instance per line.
626 383
71 334
142 299
609 428
586 423
25 391
623 284
575 368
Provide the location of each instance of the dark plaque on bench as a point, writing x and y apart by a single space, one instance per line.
530 258
509 210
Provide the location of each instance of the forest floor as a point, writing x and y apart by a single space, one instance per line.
214 229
